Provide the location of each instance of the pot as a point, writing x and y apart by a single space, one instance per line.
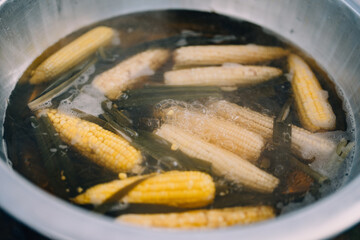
329 31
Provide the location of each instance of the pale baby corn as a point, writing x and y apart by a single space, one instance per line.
217 55
213 218
228 164
134 69
97 144
72 54
304 143
219 132
313 107
188 189
221 76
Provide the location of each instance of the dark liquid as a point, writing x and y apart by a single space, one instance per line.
137 29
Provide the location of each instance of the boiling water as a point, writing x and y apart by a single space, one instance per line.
173 29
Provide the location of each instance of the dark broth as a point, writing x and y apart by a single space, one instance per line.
135 30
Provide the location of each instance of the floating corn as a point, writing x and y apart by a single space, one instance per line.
221 76
97 144
213 218
222 133
72 54
313 108
225 163
304 143
134 69
217 55
187 189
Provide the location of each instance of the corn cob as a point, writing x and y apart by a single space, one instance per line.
213 218
132 70
313 108
304 143
226 163
221 76
72 54
222 133
99 145
187 189
216 55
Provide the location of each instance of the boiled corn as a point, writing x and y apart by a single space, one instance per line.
221 76
304 143
313 107
225 163
72 54
217 55
222 133
213 218
97 144
134 69
188 189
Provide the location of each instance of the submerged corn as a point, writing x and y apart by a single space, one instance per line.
225 163
134 69
313 107
217 55
72 54
221 76
188 189
304 143
219 132
97 144
213 218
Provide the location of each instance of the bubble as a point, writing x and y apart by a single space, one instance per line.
82 79
190 33
53 150
44 105
279 170
33 125
222 38
181 42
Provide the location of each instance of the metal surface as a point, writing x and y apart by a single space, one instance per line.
329 31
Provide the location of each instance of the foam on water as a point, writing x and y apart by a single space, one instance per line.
84 97
88 100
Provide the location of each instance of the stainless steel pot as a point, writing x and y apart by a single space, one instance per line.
329 31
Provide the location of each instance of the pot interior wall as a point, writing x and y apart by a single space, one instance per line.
329 31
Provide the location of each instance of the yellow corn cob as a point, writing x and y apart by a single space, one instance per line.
99 145
225 163
72 54
187 189
214 218
222 133
314 110
216 55
304 143
132 70
221 76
